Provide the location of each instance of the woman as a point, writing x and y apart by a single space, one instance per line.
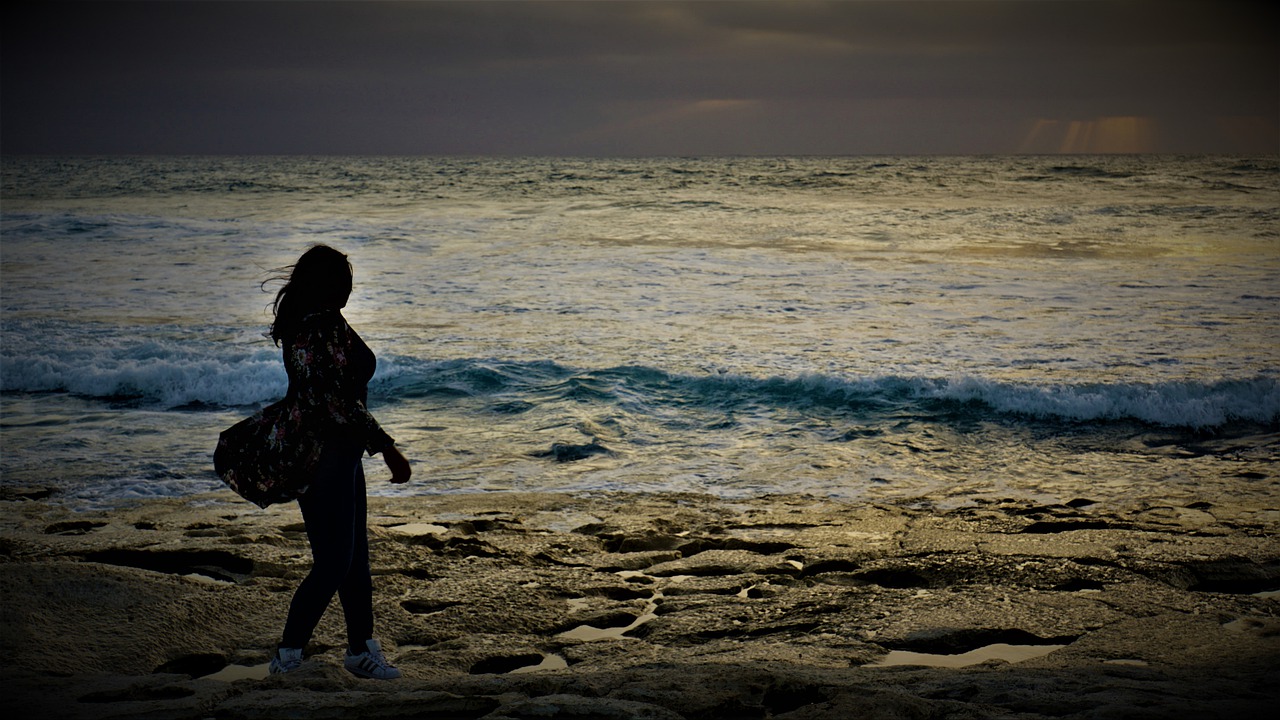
322 426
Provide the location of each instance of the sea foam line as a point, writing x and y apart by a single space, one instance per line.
174 375
1173 403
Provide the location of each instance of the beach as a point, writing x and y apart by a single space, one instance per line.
613 605
719 437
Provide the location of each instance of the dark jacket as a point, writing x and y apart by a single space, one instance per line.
272 455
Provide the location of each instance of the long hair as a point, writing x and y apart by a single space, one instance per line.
320 280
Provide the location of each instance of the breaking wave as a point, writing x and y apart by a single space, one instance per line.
180 375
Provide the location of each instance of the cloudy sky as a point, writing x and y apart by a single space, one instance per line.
639 78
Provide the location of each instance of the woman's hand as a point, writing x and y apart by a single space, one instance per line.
397 464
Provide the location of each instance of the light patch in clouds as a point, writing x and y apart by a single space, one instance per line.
1102 135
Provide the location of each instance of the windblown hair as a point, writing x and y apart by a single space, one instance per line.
320 280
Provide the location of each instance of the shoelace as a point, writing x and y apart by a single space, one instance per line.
375 659
286 665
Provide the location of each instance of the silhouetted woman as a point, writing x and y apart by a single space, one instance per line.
309 446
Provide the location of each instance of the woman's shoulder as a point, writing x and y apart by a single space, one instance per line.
322 319
323 323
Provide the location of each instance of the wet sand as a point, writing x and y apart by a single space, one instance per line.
671 606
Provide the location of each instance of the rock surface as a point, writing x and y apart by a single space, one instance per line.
665 607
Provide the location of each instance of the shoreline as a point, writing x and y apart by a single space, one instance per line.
513 605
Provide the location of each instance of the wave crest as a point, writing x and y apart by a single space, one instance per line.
173 376
153 372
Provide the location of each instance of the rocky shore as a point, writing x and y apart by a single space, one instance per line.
674 607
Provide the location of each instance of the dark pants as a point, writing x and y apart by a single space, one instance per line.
334 509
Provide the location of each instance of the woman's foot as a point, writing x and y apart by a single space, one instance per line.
370 663
285 660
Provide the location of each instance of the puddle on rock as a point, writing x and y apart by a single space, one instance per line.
201 577
232 673
549 662
417 529
998 651
589 633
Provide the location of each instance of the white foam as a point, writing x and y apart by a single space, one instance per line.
1181 404
171 381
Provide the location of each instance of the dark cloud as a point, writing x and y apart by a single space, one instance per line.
951 76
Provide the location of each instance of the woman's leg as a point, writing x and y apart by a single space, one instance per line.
356 591
329 509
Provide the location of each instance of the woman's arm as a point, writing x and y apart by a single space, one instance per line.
397 464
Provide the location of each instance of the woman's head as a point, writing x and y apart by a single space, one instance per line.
320 280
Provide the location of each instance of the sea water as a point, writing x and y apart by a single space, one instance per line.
864 328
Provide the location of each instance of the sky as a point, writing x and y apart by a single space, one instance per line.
620 78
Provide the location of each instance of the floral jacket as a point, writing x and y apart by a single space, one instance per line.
271 456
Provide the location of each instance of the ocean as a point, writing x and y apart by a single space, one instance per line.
944 330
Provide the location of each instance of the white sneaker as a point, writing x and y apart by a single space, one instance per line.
371 663
285 660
